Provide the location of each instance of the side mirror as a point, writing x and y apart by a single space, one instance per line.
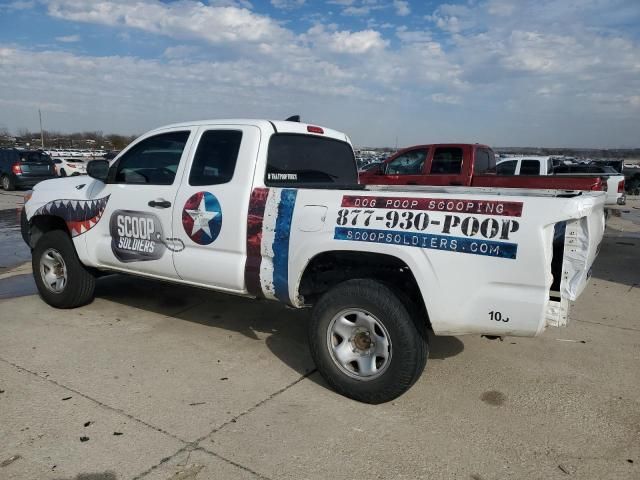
384 167
98 169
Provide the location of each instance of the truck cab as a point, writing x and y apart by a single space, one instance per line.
438 164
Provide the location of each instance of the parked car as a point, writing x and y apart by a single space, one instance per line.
462 164
111 154
24 168
615 180
68 167
272 209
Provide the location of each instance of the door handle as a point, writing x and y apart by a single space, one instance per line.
159 203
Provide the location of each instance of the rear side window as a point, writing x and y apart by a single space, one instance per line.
447 161
216 157
296 160
507 168
485 162
530 167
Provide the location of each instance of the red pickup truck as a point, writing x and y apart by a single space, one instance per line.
465 165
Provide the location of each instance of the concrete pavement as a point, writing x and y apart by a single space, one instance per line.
160 381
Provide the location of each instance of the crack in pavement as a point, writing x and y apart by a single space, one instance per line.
98 402
195 445
607 325
188 446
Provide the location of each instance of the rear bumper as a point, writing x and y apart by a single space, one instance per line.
28 181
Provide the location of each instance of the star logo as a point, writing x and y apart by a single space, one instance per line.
202 218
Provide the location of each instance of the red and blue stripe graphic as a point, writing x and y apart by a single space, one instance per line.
268 234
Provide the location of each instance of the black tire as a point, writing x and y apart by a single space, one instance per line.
408 339
63 173
80 283
8 183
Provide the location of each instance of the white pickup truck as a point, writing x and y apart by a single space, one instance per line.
543 165
273 209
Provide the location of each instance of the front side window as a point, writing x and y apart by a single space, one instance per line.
507 168
530 167
215 159
296 160
153 161
447 161
409 163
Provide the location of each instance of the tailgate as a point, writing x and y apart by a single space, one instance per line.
578 242
36 168
35 164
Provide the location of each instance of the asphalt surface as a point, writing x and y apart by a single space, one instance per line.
160 381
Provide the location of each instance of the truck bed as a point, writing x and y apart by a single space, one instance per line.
572 182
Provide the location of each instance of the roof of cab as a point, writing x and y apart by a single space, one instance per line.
279 126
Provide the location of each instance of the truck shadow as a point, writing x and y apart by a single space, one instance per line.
618 260
109 475
283 329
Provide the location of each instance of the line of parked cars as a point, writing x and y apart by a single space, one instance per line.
24 168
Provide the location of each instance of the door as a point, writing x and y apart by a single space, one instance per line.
405 169
210 215
134 209
445 167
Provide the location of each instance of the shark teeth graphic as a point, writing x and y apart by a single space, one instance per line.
80 215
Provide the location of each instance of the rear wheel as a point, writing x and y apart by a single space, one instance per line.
8 183
62 280
365 343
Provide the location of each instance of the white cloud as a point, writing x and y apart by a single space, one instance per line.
180 52
571 66
453 18
183 19
68 38
355 43
287 4
402 7
447 99
501 8
18 5
413 36
357 11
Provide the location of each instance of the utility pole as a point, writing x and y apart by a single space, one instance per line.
41 132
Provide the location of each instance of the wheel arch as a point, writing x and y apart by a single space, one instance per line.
320 274
38 225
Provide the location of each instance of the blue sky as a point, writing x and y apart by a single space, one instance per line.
503 72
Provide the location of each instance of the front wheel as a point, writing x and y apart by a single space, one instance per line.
365 343
62 280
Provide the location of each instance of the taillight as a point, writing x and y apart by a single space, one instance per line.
621 186
312 129
16 168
